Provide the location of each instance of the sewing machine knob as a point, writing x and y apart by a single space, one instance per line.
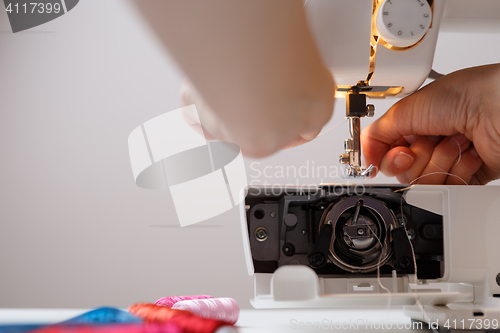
403 23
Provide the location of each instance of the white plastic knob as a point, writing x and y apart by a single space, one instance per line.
403 23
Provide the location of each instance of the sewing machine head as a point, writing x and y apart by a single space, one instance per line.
374 49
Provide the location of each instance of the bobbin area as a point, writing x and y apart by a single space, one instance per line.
359 245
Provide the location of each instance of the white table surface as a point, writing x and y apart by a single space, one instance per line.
276 321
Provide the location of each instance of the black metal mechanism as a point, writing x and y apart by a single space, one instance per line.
356 103
319 255
343 230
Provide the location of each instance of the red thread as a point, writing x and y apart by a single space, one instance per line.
185 320
196 324
151 313
170 301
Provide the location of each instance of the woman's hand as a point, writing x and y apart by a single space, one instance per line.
309 123
263 82
450 126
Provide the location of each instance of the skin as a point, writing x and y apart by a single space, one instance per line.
255 63
428 126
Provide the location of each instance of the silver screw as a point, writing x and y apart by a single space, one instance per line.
370 110
273 214
361 232
344 159
260 234
303 232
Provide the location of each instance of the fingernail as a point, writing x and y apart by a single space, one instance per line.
460 139
473 152
403 160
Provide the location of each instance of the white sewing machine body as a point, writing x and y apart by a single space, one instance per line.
322 247
354 40
344 32
453 230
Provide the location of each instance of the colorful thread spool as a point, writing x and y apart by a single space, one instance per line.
104 315
185 320
151 313
170 301
224 309
196 324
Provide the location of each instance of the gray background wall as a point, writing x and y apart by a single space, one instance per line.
75 231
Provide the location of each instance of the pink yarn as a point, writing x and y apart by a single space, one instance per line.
170 301
224 309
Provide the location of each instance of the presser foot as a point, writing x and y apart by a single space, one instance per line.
353 171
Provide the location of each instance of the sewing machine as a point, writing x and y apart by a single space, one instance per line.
431 249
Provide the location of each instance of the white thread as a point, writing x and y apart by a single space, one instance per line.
458 161
459 150
443 171
389 296
328 130
438 172
415 279
379 261
437 166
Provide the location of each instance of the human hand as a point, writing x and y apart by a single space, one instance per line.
256 65
272 136
422 133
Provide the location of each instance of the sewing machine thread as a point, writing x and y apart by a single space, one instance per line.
185 320
170 301
442 171
225 309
